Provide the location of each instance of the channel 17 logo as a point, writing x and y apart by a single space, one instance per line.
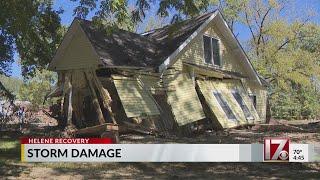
276 149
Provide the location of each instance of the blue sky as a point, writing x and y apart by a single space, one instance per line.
243 32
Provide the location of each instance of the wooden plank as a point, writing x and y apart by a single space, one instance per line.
106 99
69 120
67 91
64 91
95 99
99 129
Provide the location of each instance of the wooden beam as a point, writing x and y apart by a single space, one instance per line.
67 91
69 119
106 98
98 129
95 100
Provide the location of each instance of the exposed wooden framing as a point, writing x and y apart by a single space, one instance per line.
127 67
61 105
69 119
79 83
106 99
95 100
67 91
63 95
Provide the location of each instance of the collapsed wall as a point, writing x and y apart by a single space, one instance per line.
172 104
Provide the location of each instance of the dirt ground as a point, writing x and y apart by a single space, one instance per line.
297 131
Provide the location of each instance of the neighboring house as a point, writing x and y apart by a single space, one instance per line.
173 76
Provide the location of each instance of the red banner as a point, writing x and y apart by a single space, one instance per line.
66 141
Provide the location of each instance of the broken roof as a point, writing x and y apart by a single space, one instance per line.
150 49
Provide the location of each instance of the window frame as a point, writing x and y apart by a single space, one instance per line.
253 98
224 100
244 104
211 50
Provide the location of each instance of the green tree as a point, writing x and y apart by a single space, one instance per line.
32 29
36 88
12 84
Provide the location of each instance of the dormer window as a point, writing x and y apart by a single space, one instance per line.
211 51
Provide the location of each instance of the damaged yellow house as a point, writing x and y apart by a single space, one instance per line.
182 74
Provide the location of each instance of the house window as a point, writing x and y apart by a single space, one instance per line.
254 100
211 50
243 106
224 105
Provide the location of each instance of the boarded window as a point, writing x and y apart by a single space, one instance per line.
207 49
224 105
211 50
243 106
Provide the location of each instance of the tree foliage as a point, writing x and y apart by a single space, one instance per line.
32 29
36 88
12 84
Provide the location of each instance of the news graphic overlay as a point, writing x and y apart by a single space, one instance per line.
103 150
276 149
66 149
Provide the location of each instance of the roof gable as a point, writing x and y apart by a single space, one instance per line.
75 51
227 33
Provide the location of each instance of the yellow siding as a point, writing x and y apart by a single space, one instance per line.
206 88
261 95
78 54
229 85
194 52
184 101
134 98
151 83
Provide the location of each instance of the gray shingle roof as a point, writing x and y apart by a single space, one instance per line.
123 48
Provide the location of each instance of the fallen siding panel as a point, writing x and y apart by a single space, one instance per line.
184 101
136 102
207 87
225 87
228 86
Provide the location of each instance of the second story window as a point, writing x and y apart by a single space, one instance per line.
211 51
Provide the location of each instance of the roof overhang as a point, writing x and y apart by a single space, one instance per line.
217 16
172 58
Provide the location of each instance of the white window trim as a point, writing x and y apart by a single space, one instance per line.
212 60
